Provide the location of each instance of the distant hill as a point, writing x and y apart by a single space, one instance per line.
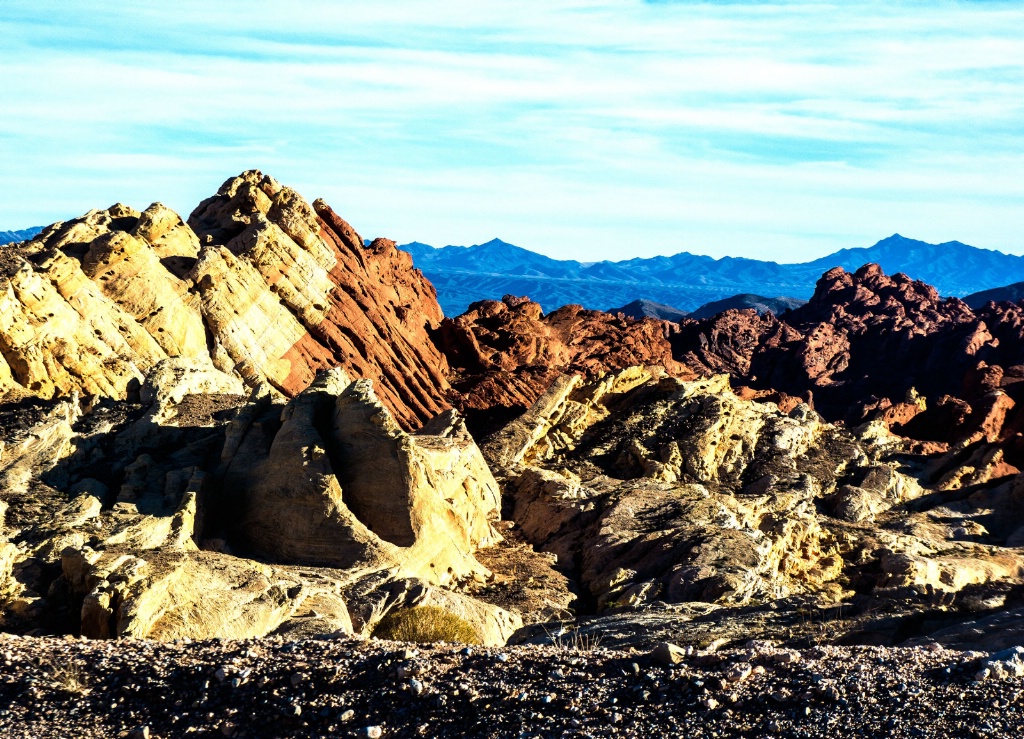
649 309
9 237
742 302
1008 293
463 274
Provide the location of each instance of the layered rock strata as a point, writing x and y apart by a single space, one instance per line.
259 284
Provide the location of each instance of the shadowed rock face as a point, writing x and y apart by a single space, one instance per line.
260 284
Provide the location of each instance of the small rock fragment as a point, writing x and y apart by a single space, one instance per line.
739 672
669 654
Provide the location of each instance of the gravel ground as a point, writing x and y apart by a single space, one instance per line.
53 687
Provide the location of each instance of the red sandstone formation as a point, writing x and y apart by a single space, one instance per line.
504 354
363 307
870 346
260 285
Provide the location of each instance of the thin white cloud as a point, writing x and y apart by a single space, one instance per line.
582 129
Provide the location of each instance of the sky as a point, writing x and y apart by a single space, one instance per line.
597 130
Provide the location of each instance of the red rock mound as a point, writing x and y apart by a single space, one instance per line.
504 354
871 346
363 307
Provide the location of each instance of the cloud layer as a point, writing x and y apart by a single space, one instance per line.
583 130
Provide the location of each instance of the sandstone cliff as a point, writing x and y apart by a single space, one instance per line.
260 284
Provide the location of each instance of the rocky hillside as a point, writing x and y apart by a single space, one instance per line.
863 343
759 303
640 309
505 354
259 284
1007 294
253 426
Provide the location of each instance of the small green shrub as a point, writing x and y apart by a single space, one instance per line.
425 625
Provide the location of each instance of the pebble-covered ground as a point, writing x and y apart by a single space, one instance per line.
53 687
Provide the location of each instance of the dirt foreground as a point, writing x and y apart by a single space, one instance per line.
54 687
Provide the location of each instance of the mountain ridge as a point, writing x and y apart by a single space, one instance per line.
464 274
1006 293
11 237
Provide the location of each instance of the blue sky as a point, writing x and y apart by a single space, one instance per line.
581 130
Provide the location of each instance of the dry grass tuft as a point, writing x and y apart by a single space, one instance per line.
574 641
425 625
68 677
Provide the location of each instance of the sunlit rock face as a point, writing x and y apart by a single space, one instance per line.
259 283
207 511
684 498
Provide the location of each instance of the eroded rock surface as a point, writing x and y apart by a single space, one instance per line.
288 289
683 502
340 484
259 283
863 343
245 425
505 354
144 519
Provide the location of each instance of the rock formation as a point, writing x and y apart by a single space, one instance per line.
681 497
259 284
862 345
505 354
273 264
252 423
135 519
337 483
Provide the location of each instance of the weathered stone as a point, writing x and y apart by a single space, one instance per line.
669 654
268 288
507 353
341 485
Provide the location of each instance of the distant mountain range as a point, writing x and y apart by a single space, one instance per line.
9 237
686 281
689 284
1011 293
650 309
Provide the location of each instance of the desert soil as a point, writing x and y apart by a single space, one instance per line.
54 687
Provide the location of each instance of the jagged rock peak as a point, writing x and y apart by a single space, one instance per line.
259 283
507 353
